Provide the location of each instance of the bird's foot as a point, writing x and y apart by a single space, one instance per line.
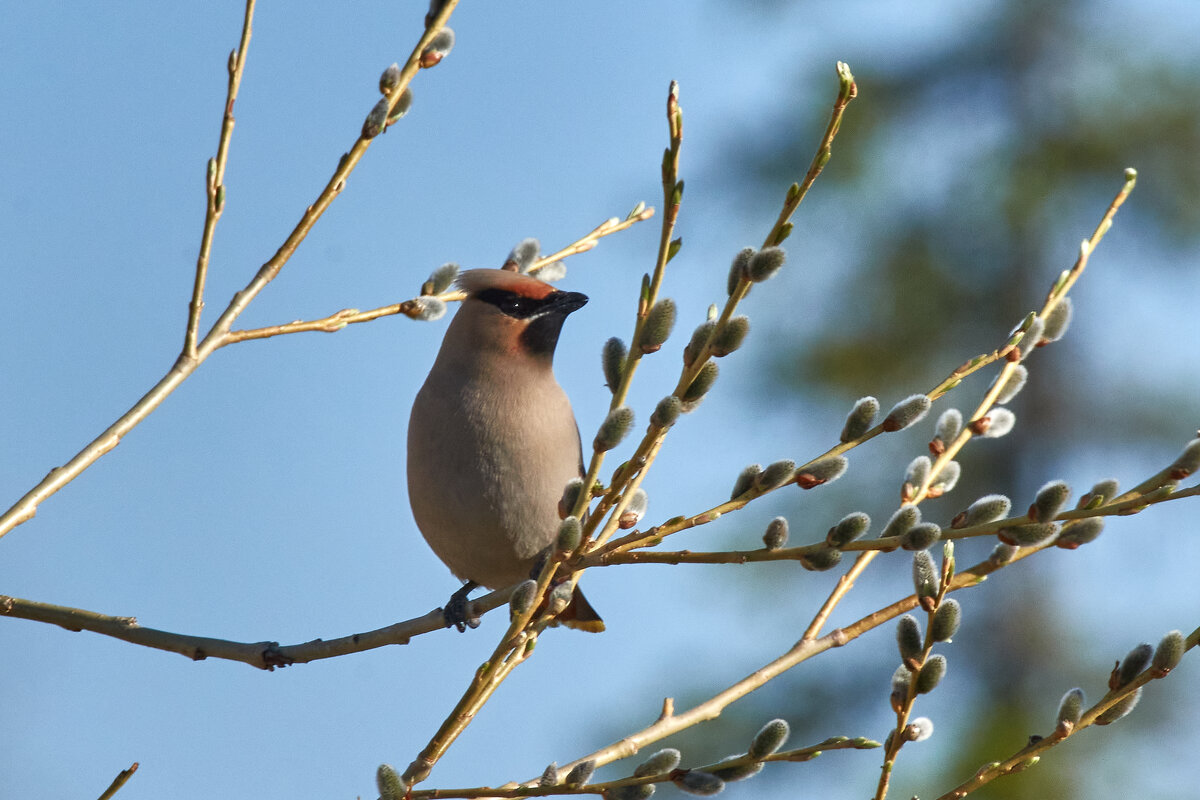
458 611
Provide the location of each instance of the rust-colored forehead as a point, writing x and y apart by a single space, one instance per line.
474 281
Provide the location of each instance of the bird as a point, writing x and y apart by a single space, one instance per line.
493 441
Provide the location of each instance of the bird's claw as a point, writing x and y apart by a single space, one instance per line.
459 612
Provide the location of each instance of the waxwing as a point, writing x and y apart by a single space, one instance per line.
492 440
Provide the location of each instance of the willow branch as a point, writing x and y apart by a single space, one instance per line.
24 509
534 789
1028 755
670 723
413 308
215 184
119 781
262 655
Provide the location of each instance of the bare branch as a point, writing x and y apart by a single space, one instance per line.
262 655
119 781
215 184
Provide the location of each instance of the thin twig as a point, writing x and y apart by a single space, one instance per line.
119 781
534 789
620 492
412 308
262 655
24 509
803 650
903 706
215 184
606 228
1028 755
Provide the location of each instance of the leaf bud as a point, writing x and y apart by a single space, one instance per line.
1012 384
554 271
776 535
996 423
698 342
1049 501
1029 535
918 471
1080 533
560 598
440 279
660 321
745 480
580 774
859 420
634 510
667 411
1070 708
428 309
1058 319
737 773
389 80
700 386
946 620
549 775
901 522
949 425
376 120
920 537
901 680
522 598
737 270
1099 494
926 580
931 674
675 245
639 791
823 470
850 527
570 534
908 638
612 359
1120 709
387 780
729 337
664 760
906 412
614 428
989 508
946 479
570 496
698 782
1168 653
1033 335
1135 662
524 254
775 475
1003 553
769 738
1188 461
820 559
765 263
438 48
402 106
919 729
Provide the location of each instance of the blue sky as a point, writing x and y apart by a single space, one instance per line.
265 498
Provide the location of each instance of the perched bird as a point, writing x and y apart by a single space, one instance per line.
492 440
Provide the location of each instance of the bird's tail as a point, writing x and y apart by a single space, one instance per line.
580 615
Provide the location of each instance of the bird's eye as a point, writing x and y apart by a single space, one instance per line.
510 303
515 306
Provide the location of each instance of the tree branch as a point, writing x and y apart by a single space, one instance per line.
262 655
215 184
